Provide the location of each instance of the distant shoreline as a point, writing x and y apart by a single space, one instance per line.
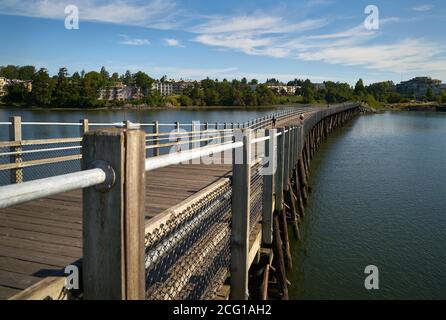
432 106
194 108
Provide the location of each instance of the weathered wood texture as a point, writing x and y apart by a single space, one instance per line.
38 239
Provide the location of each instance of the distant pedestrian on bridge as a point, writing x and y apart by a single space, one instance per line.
301 117
274 121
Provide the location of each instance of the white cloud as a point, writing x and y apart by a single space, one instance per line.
405 56
126 40
423 8
176 72
229 73
258 34
173 43
150 13
356 46
259 24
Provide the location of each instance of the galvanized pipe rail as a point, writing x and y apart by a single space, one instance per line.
113 186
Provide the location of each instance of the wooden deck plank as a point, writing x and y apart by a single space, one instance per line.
16 280
39 238
6 292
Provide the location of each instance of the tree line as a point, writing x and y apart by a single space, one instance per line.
81 89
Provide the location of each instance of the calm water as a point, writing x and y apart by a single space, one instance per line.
184 116
379 198
140 116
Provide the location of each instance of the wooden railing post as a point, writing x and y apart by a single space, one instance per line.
15 134
83 126
293 150
241 186
278 186
156 131
177 129
286 162
113 215
268 186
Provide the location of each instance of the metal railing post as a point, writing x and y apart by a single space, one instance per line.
15 134
241 187
268 186
113 216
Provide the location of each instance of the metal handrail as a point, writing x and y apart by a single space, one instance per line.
179 157
32 190
19 193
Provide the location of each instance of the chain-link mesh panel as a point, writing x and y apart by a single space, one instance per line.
188 257
39 161
256 196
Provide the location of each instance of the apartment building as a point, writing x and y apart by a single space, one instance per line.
3 84
172 87
284 90
120 92
418 86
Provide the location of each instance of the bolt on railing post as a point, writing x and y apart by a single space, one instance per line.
15 134
113 215
241 189
156 141
278 185
269 172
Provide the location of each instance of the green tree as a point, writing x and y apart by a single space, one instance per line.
9 72
127 79
308 92
26 72
91 84
185 100
265 96
16 92
62 90
42 88
430 96
143 81
360 88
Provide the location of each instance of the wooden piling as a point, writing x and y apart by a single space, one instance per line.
278 256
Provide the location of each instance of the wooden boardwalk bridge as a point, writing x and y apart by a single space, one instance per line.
39 238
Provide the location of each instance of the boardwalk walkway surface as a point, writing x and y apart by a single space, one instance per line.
38 239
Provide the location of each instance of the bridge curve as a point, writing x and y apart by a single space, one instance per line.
39 238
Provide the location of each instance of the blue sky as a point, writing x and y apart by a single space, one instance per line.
316 39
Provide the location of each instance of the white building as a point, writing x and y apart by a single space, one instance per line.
164 88
168 88
283 89
3 84
120 92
